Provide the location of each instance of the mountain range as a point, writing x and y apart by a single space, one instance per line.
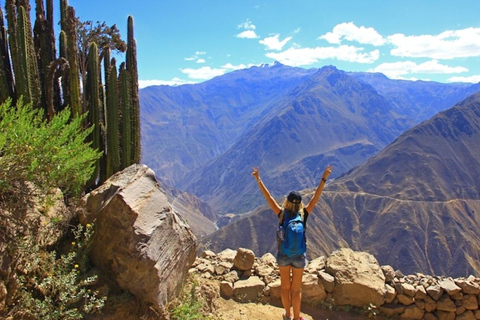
405 184
291 122
415 205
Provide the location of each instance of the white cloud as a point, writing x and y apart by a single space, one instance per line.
230 66
203 72
446 45
247 34
349 31
273 42
247 25
434 67
471 79
206 73
200 60
196 56
396 70
173 82
307 56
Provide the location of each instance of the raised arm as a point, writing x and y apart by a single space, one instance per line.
313 202
271 202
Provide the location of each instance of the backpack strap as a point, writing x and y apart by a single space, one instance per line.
305 217
281 217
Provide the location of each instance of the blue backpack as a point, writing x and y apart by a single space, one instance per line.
291 237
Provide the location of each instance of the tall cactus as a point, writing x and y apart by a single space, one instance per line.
55 70
11 14
44 40
135 104
22 51
6 76
113 150
65 81
63 13
92 95
74 76
29 66
126 123
28 85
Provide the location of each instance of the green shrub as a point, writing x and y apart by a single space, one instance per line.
189 306
37 157
56 288
46 154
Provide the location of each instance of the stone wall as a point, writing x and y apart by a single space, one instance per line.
345 278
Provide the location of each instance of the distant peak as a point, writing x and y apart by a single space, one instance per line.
277 64
274 64
329 68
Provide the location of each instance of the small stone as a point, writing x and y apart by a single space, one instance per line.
412 312
470 302
405 300
207 254
435 292
390 293
420 293
389 273
244 259
248 290
446 304
449 287
226 289
408 289
327 280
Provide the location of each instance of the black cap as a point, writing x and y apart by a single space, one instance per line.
294 197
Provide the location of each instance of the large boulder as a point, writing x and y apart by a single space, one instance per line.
359 280
140 241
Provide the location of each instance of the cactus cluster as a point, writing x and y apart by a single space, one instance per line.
30 68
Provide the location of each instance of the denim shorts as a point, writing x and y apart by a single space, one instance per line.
296 262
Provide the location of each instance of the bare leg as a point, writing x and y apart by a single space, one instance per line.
296 291
285 280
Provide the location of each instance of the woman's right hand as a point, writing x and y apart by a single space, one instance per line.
255 173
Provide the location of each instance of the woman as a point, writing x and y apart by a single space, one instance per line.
291 268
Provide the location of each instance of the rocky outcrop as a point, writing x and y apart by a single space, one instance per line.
348 278
359 280
140 242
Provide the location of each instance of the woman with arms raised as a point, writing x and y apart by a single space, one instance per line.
291 253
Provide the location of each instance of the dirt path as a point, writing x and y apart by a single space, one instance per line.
231 310
268 308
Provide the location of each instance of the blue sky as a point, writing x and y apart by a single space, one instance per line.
190 41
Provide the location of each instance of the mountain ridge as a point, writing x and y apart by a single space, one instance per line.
317 108
190 128
363 209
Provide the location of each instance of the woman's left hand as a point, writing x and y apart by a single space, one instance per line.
255 173
327 172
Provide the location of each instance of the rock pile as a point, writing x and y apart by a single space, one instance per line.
345 278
